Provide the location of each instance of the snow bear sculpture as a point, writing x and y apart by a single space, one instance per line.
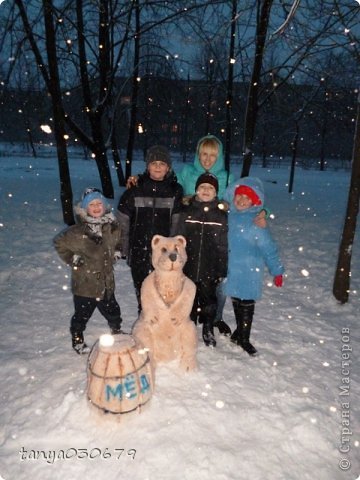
167 295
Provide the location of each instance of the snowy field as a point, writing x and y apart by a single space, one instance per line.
280 416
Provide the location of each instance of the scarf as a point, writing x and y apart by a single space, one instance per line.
94 225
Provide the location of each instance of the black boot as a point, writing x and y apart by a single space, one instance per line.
223 327
246 345
78 343
208 334
116 331
235 337
115 327
244 312
195 312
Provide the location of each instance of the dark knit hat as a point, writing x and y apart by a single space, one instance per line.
207 178
249 192
158 153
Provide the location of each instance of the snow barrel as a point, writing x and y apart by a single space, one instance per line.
119 375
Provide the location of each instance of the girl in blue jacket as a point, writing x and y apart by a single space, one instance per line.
250 249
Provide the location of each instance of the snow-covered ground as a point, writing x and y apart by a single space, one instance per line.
280 416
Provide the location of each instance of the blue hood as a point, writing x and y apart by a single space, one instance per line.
219 165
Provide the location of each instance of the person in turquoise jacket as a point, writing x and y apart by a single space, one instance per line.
250 249
209 158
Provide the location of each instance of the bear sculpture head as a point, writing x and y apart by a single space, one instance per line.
168 253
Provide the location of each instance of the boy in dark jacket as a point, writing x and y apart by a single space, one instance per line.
91 247
148 208
203 222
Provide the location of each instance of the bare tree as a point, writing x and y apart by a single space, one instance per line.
59 116
264 9
229 87
307 100
341 284
53 84
95 109
135 91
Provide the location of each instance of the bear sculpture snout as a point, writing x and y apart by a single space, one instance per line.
173 257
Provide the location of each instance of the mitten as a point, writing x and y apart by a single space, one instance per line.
278 280
77 261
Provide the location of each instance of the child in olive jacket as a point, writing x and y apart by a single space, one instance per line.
91 248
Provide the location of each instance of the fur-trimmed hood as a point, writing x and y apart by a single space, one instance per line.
81 215
219 165
189 174
252 182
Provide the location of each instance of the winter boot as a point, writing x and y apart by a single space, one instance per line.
244 312
235 336
116 331
195 313
115 326
223 327
208 334
78 343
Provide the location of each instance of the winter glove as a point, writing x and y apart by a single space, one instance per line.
278 280
77 261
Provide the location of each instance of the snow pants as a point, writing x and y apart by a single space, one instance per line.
85 307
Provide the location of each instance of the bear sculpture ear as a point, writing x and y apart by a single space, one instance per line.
155 240
181 240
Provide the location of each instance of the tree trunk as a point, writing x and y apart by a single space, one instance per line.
264 151
116 158
59 116
95 112
252 99
341 284
134 95
323 142
229 88
185 122
30 137
294 148
52 82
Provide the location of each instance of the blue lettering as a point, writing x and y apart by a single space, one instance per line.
145 385
114 392
130 386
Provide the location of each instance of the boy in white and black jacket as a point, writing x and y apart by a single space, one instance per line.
203 222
